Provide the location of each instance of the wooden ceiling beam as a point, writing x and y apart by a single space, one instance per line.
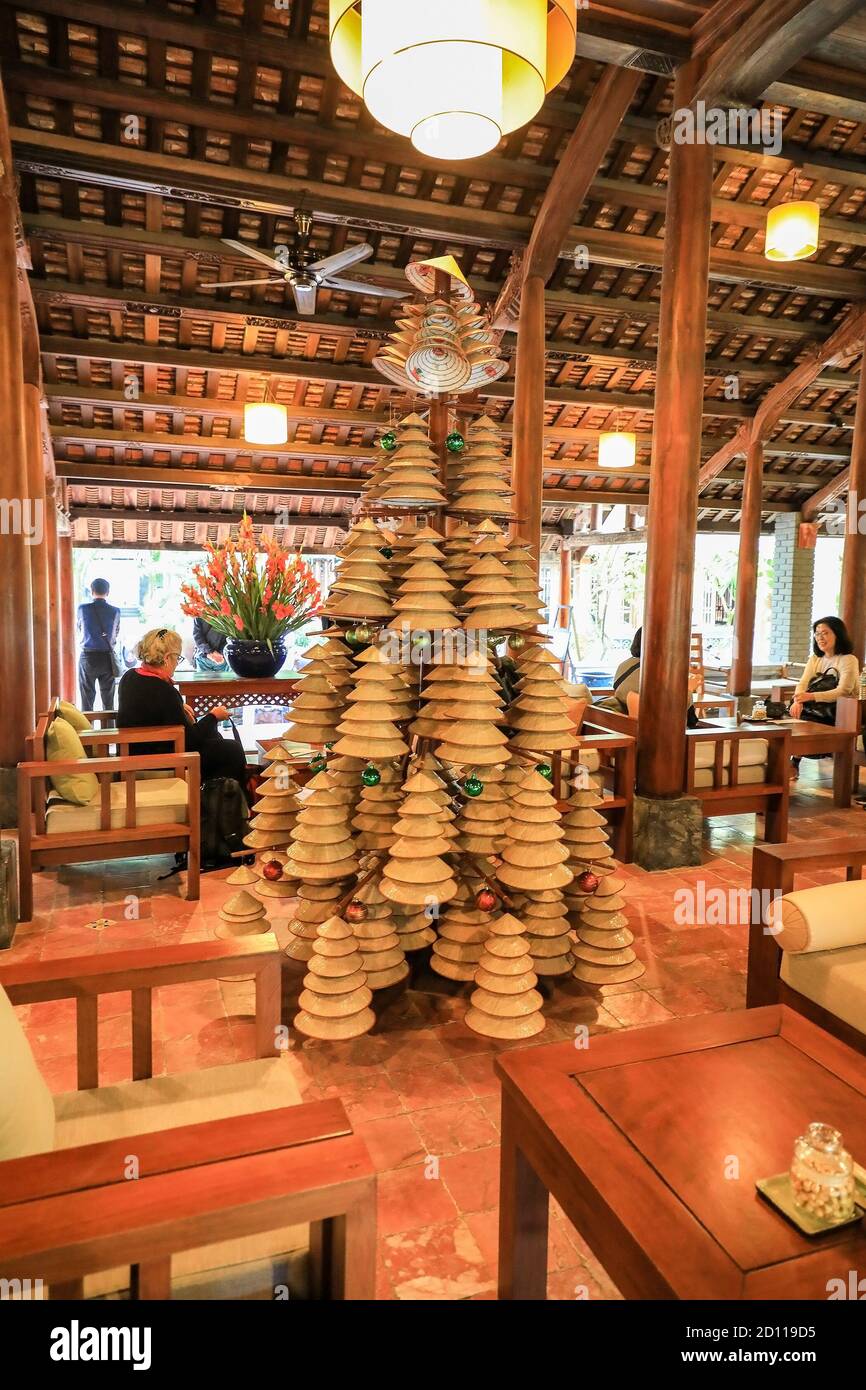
58 156
766 44
814 505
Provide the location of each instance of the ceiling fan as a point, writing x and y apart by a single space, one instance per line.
306 275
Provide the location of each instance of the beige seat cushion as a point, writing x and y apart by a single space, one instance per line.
143 1107
836 980
26 1104
158 802
752 753
828 918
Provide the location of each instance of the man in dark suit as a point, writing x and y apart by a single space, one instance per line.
98 629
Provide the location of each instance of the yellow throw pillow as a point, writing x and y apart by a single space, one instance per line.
62 744
74 717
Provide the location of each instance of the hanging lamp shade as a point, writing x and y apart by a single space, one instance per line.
452 75
617 449
792 231
265 423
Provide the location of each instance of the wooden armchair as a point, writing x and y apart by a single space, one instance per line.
213 1172
842 971
722 769
147 804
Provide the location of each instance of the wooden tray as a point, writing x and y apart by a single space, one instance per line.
777 1191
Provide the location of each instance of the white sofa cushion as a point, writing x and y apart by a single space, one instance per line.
26 1104
143 1107
836 980
589 758
752 753
157 802
820 919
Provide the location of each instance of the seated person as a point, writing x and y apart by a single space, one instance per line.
209 647
147 697
627 679
832 654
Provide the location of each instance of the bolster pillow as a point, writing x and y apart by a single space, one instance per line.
820 919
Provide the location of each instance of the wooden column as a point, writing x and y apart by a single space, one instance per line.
528 445
747 571
38 549
69 679
16 621
52 542
672 519
565 558
853 601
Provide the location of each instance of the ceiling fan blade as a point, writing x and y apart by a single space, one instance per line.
236 284
253 251
342 260
305 298
335 282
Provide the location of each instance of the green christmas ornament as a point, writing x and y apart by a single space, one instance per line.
546 770
517 641
371 776
421 641
363 634
388 441
473 786
455 443
386 552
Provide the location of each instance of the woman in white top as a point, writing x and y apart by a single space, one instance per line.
832 650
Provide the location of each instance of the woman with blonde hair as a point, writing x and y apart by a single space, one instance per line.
147 697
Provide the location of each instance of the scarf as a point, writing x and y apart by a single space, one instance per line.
145 670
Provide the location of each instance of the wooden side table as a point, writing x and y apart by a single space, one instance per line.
652 1139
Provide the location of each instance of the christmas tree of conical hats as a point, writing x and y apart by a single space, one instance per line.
423 598
416 874
242 915
461 713
540 715
404 541
522 572
376 702
481 482
322 685
481 821
547 929
382 954
322 849
458 548
533 856
603 949
505 1002
378 809
335 1001
411 474
462 930
276 805
487 596
586 837
360 587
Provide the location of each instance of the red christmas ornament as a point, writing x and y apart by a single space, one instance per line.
486 900
272 870
356 911
587 882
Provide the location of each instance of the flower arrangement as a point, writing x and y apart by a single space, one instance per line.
248 600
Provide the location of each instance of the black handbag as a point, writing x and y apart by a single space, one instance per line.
821 711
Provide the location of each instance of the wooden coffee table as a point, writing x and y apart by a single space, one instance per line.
651 1140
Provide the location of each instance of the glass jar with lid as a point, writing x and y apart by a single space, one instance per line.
759 709
822 1175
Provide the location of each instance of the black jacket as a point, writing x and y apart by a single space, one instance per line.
143 701
206 638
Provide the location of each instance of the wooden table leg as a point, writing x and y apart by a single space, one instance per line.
523 1216
151 1280
343 1254
843 776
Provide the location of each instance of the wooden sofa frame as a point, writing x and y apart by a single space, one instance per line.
774 870
70 1212
721 798
38 850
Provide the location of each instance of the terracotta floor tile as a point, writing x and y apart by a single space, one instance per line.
492 1107
393 1141
479 1074
368 1098
423 1087
452 1129
409 1200
472 1178
442 1262
638 1009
